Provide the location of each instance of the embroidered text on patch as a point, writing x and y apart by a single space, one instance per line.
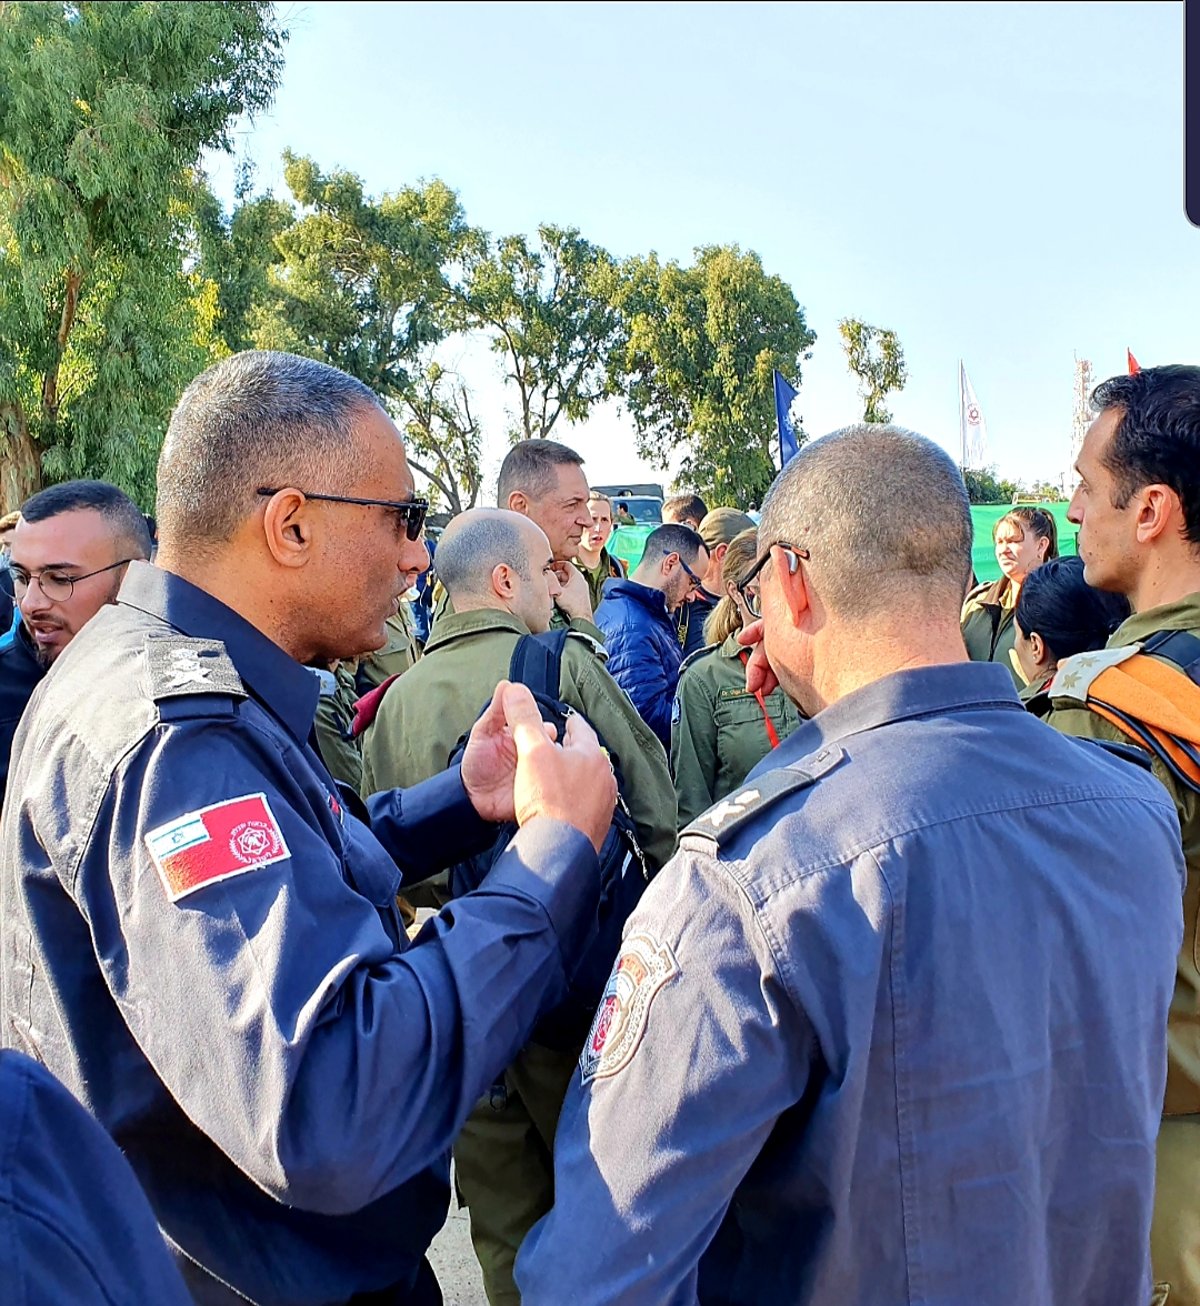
215 843
643 967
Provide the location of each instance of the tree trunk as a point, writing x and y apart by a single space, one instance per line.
50 399
20 460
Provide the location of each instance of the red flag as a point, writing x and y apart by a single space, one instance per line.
1134 367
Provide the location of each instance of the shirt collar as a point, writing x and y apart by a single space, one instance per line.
454 625
1183 614
288 690
902 696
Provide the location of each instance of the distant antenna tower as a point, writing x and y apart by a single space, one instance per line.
1082 417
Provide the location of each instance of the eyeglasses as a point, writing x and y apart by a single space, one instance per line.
692 577
412 512
56 585
750 597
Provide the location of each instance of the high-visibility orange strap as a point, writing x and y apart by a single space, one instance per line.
772 733
1160 697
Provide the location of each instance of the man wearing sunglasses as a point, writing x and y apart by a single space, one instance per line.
891 1025
636 617
198 927
68 553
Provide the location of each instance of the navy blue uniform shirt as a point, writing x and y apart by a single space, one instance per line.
200 939
890 1028
75 1228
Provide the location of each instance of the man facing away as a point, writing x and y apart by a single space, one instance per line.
890 1027
637 620
1137 507
498 569
198 928
68 554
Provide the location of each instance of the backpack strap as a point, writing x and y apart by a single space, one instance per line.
1178 646
536 662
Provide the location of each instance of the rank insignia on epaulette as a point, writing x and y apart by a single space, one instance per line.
723 819
182 666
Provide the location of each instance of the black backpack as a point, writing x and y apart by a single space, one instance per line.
537 663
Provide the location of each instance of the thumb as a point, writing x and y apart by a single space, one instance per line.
524 719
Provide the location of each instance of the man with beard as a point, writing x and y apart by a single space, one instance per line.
68 556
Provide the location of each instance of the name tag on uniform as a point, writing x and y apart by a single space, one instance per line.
216 843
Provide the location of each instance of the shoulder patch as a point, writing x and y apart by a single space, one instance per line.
216 843
1075 675
724 819
643 966
181 666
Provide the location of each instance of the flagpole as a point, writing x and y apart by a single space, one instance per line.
962 426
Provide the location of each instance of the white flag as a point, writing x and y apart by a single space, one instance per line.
972 428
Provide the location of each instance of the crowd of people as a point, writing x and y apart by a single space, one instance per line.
894 877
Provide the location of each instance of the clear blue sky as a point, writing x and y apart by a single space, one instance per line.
997 182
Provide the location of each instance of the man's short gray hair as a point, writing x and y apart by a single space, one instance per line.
885 515
532 467
468 554
255 419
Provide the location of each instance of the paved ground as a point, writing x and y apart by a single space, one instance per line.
454 1262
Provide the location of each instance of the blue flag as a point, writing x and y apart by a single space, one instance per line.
785 393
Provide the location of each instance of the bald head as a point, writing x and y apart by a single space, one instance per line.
885 517
494 558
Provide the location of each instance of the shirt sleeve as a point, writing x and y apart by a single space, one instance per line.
699 1055
694 747
258 974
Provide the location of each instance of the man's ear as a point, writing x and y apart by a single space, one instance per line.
288 528
502 581
518 501
793 584
1159 510
1037 647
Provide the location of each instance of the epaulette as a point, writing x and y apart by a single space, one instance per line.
1075 674
327 682
593 644
182 668
723 820
695 656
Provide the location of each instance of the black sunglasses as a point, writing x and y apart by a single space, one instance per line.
412 511
751 599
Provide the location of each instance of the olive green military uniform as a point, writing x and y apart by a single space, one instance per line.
1175 1232
989 630
504 1156
608 568
396 657
333 722
718 730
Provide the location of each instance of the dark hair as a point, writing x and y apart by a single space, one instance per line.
1070 616
532 467
685 507
1157 439
123 516
673 537
255 419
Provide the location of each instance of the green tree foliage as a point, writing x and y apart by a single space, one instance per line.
104 112
548 309
703 342
363 284
235 251
877 360
443 437
984 487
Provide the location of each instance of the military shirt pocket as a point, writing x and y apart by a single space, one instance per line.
737 708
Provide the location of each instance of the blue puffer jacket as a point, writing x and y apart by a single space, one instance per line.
643 650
